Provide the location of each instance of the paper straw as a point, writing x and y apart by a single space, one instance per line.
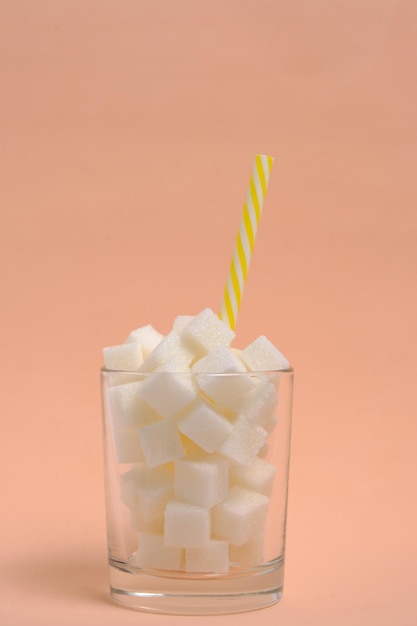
251 216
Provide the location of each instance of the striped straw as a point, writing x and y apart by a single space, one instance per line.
245 239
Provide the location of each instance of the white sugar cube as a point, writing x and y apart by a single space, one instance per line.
212 558
127 407
126 357
147 491
126 445
220 360
269 422
178 363
203 482
240 516
139 525
258 405
223 390
261 355
205 426
250 553
146 337
160 442
121 378
191 448
206 331
186 525
168 393
259 476
152 553
181 322
170 346
128 488
243 443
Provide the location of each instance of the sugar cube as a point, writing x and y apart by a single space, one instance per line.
186 525
205 426
223 390
244 442
220 360
250 553
179 363
258 405
121 378
168 393
152 553
128 408
201 481
139 525
191 448
126 445
146 337
269 422
181 322
147 490
160 442
206 331
259 476
126 357
170 346
239 516
212 558
262 355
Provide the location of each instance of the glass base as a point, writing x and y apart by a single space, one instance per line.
199 595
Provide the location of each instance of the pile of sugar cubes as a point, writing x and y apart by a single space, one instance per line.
198 487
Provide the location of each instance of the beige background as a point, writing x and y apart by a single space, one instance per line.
128 131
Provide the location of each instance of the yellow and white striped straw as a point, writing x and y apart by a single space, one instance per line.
245 239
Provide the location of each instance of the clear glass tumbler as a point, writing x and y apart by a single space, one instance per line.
196 476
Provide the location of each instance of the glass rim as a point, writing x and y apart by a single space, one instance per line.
106 371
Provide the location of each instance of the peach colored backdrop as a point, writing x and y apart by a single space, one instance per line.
127 133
